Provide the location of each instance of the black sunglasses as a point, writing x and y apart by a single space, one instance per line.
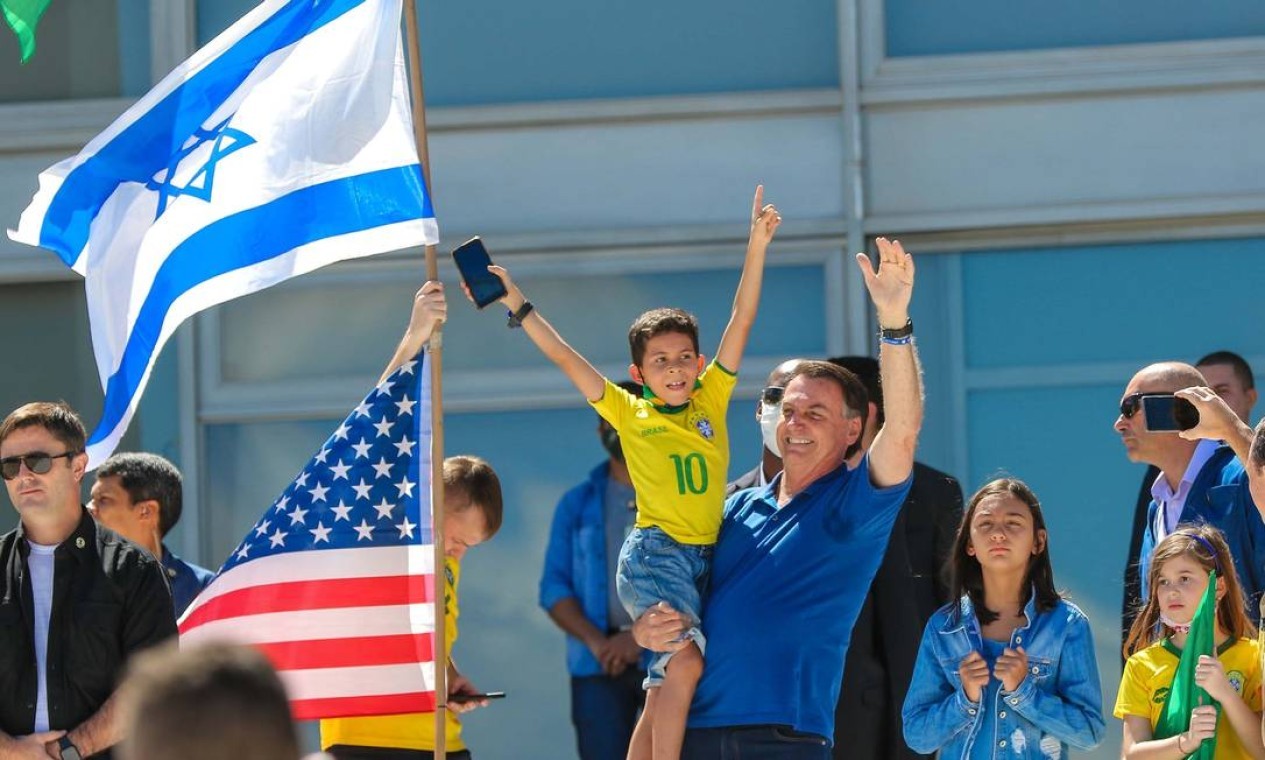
1129 405
772 395
37 462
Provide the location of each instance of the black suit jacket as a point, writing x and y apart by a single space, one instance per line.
909 587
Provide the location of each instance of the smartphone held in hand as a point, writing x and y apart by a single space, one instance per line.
1166 413
462 698
472 262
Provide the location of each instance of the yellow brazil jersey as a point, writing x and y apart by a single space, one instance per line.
1149 674
678 457
410 730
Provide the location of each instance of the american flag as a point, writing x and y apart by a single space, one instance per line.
335 581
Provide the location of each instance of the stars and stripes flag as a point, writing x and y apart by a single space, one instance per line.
335 581
283 145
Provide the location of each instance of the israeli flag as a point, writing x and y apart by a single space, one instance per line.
284 145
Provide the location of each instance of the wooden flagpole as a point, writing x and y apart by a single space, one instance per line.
436 387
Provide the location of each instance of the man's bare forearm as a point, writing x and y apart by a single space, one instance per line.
101 731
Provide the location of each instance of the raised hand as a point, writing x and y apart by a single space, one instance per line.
513 297
974 672
429 308
764 218
1011 668
892 286
1217 421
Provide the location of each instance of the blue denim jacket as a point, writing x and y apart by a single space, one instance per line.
1059 703
575 562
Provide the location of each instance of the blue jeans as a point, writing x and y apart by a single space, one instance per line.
752 742
654 567
604 712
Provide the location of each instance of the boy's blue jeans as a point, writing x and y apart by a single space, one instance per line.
654 567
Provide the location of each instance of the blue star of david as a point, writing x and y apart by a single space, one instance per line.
227 142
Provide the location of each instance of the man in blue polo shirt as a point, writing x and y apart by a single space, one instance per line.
140 497
795 559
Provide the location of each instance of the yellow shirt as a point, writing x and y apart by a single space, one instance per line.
409 730
1149 674
678 457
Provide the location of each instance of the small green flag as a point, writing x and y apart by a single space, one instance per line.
1185 695
22 16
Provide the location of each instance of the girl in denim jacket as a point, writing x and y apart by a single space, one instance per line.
1178 576
1007 671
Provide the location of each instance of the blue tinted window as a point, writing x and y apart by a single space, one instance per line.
933 27
1131 303
505 51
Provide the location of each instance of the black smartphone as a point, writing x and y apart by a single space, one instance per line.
472 262
461 698
1169 414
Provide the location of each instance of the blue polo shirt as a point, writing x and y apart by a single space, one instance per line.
185 579
786 588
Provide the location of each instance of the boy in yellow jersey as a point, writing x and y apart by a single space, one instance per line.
677 448
472 515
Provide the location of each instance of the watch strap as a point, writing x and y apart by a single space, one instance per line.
516 318
888 333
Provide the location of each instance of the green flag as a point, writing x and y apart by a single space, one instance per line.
22 16
1184 695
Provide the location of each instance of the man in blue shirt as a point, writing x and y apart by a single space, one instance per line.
795 559
139 496
577 589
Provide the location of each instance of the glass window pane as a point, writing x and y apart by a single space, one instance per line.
97 49
1123 303
507 51
931 27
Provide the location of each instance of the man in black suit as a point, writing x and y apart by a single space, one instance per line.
908 588
767 411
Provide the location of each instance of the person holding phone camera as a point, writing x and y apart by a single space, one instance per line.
1170 418
1230 377
676 441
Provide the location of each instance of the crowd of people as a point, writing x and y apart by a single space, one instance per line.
837 600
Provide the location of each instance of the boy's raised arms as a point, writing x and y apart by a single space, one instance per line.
764 223
583 375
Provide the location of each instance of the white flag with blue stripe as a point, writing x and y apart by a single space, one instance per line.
283 145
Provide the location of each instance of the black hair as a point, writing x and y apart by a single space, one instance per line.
1242 370
966 575
148 477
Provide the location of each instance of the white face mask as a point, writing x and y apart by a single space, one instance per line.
770 415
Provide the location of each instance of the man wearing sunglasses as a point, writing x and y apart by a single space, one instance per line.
768 412
1230 377
1200 480
75 599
